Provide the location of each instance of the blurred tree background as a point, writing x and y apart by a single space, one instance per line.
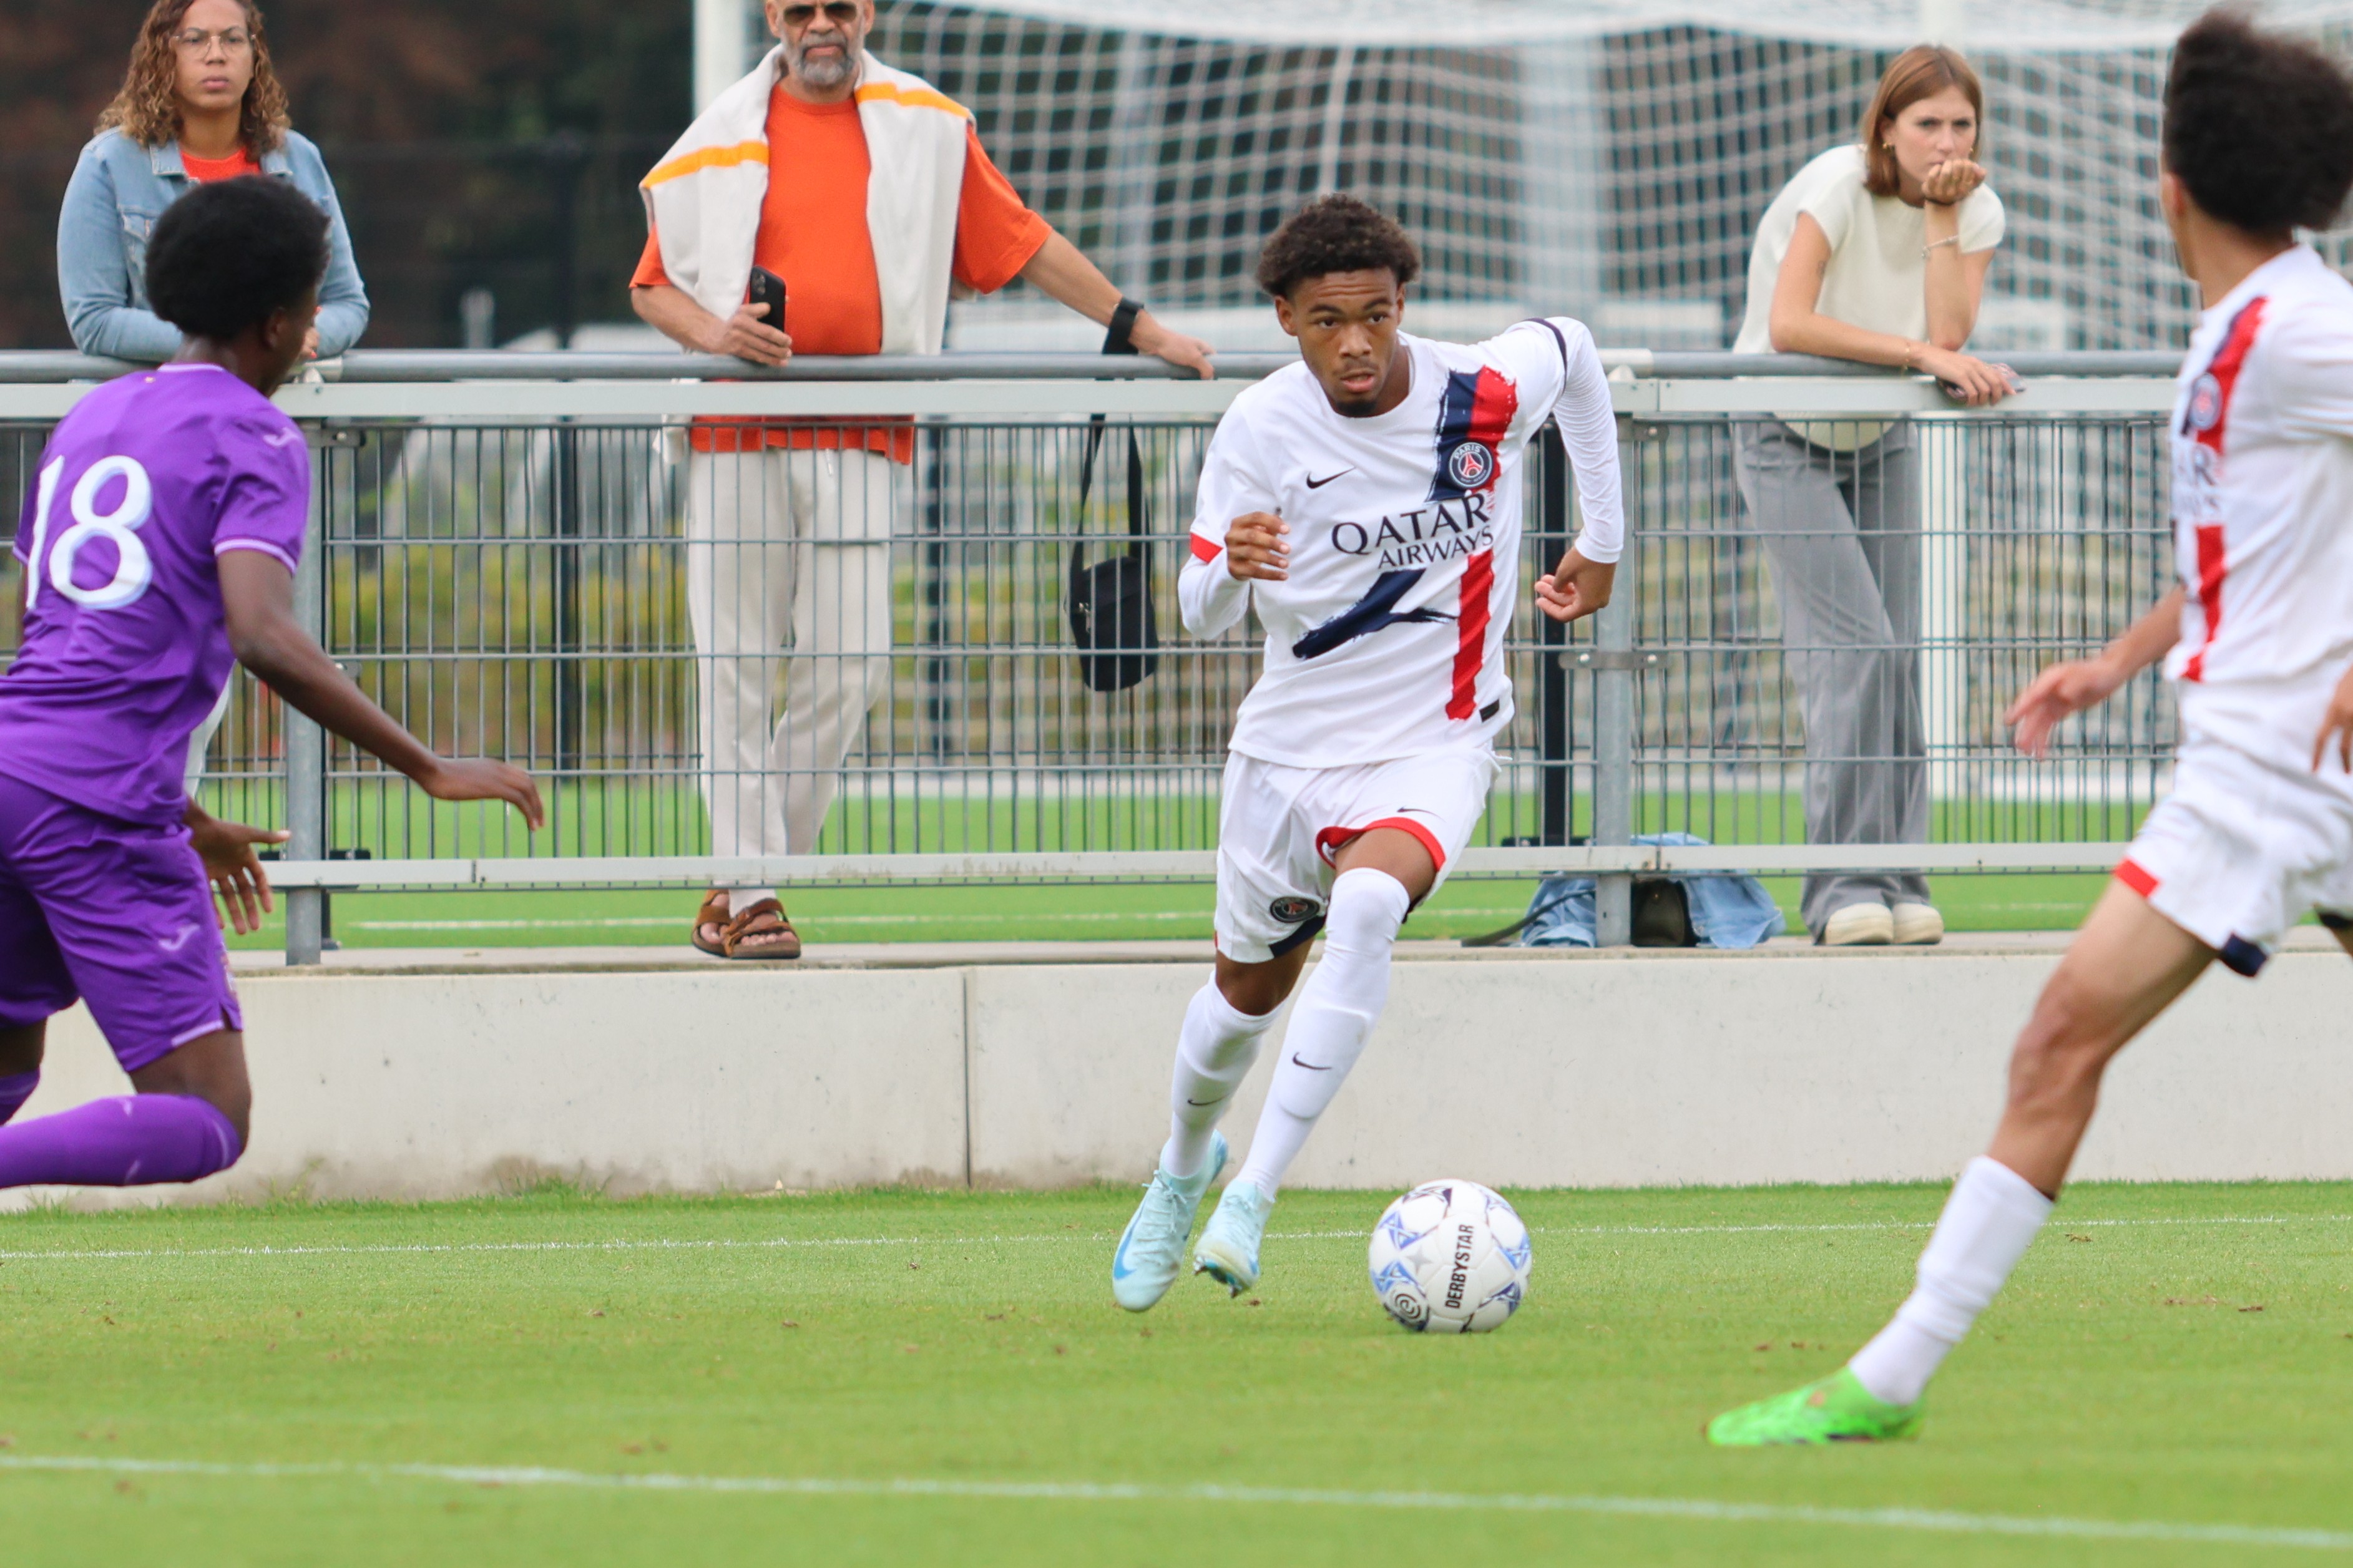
476 146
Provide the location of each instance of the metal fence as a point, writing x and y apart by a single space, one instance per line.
508 562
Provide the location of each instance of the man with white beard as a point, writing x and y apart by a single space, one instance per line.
864 191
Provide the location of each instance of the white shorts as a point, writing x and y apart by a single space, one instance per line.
1278 828
2243 849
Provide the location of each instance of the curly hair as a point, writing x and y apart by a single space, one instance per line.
148 107
2259 125
1335 234
226 255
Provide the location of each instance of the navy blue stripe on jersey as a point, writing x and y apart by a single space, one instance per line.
1559 338
1369 614
1475 412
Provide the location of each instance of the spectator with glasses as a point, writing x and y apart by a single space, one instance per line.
866 191
199 103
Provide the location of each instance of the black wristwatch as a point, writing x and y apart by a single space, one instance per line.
1120 340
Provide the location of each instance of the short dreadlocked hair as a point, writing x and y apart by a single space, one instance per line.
1335 234
2258 124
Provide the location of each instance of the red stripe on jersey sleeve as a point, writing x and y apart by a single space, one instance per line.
1205 549
1471 633
2131 875
2213 565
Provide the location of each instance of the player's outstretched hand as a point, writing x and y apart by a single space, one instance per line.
2061 689
472 778
1257 547
1576 588
227 848
2337 726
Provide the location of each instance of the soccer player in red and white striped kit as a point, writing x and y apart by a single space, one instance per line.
2258 638
1366 502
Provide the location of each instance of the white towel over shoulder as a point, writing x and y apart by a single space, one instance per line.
704 196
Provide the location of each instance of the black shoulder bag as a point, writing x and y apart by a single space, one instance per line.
1110 603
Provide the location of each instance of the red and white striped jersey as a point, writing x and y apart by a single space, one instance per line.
1386 640
2263 505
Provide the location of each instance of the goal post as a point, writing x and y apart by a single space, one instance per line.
1605 157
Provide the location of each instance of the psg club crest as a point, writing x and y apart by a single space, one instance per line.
2205 402
1471 465
1291 909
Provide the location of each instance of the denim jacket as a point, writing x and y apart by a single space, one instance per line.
117 191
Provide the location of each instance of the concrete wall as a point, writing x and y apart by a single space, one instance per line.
1530 1070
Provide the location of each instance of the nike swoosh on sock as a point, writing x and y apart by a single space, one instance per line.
1311 1067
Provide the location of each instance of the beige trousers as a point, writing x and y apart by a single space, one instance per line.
785 550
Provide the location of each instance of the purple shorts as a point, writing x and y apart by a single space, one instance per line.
116 913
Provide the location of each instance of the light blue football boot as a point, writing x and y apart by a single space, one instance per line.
1228 1250
1152 1250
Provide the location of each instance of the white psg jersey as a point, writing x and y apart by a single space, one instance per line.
1387 639
2262 506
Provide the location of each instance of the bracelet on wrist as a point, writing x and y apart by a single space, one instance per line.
1936 245
1120 338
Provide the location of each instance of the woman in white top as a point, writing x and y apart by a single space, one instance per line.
1878 253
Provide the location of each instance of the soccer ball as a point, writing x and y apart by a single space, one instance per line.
1450 1258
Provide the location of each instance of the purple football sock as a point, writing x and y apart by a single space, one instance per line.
130 1141
15 1090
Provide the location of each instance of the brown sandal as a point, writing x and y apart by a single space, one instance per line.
765 918
713 913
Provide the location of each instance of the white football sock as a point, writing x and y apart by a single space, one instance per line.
1214 1053
1987 1224
742 898
1337 1009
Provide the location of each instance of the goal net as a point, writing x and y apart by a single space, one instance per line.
1605 157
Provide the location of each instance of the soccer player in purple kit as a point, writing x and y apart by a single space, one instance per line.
159 545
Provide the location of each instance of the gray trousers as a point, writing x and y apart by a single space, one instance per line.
1841 533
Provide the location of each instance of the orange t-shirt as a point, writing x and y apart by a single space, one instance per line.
204 171
813 235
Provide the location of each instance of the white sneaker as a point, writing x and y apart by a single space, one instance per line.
1863 925
1918 925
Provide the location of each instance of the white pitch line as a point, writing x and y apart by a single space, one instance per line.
1702 1509
723 1244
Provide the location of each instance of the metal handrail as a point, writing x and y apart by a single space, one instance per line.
45 367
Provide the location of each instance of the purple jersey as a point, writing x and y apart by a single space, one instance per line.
126 645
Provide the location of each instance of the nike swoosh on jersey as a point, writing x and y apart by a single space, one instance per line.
1369 614
1316 484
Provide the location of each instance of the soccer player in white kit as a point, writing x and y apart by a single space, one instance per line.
2258 638
1365 501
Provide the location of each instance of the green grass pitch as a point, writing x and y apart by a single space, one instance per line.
903 1377
829 916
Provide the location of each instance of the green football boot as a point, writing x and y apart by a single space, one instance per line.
1229 1242
1836 1409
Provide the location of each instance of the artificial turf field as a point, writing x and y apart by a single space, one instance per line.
890 1377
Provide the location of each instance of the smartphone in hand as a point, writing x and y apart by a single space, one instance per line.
768 289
